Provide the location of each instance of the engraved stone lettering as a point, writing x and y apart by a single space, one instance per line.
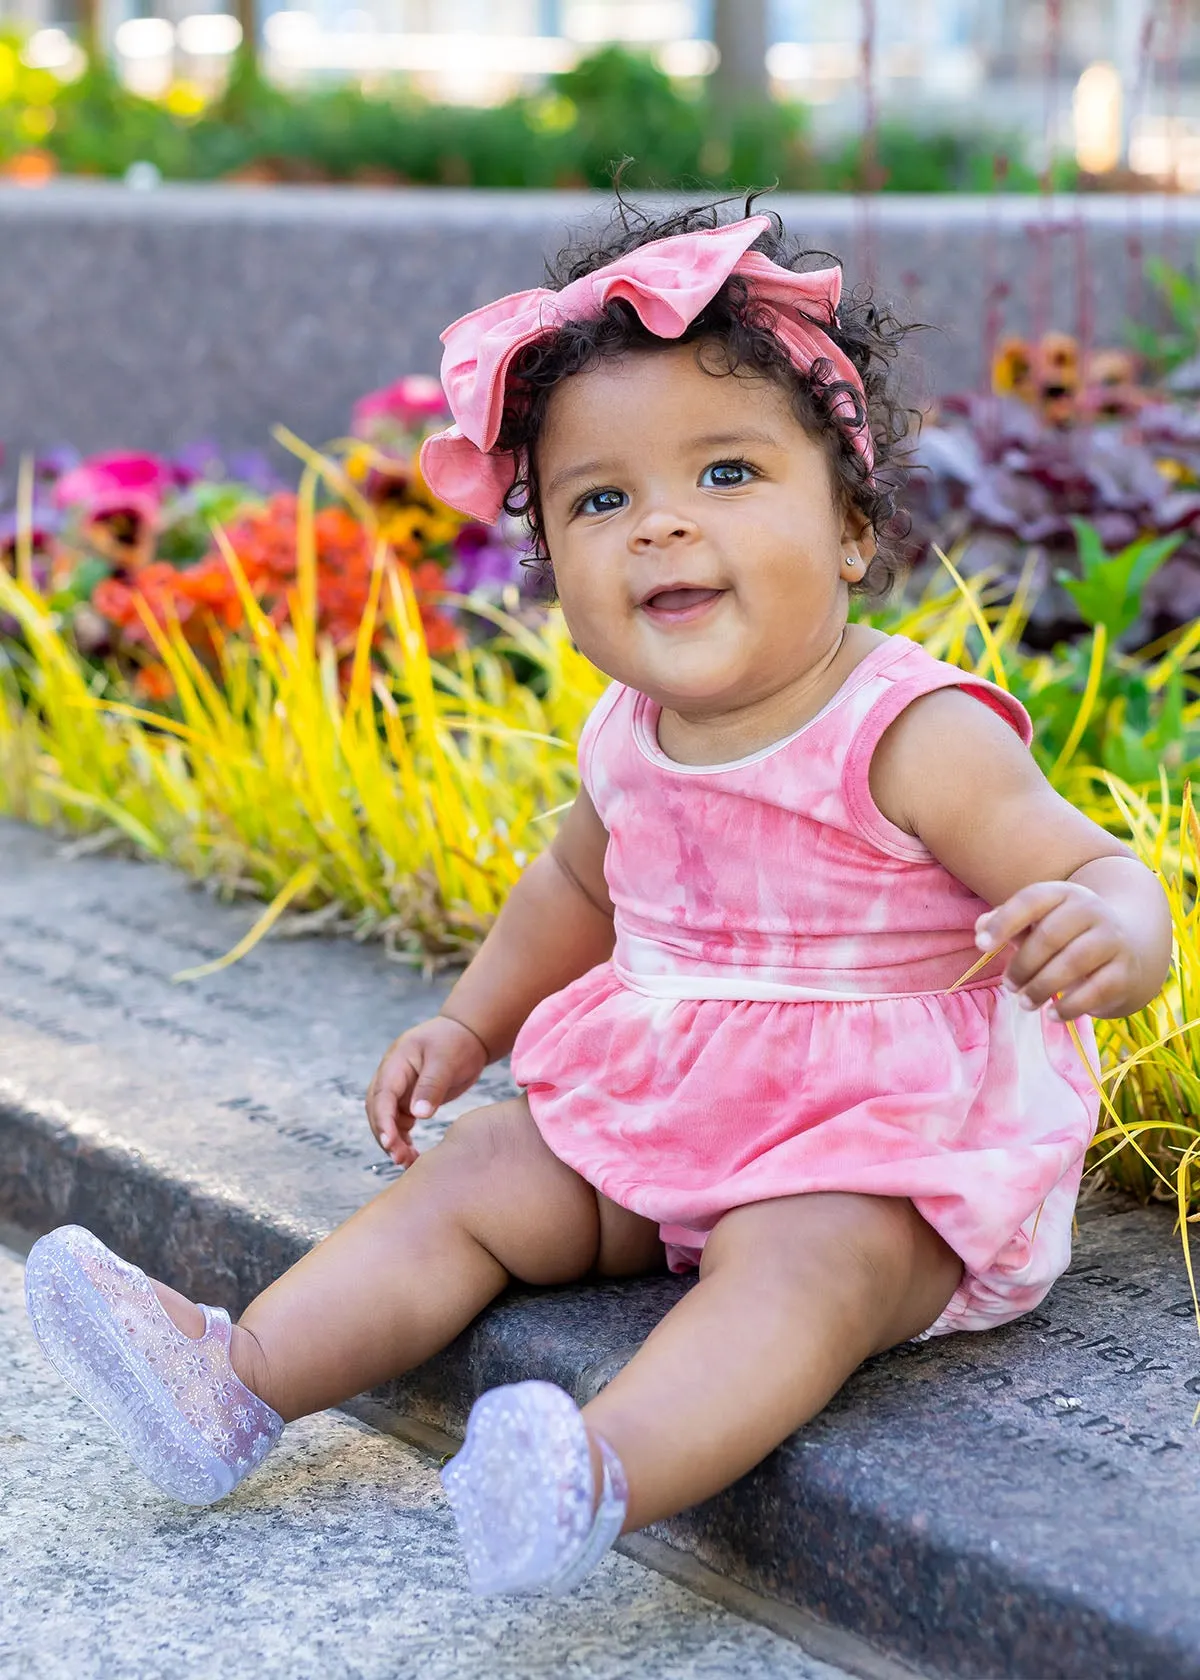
990 1381
295 1132
1142 1366
21 965
1181 1309
1071 1455
52 1029
177 1031
126 919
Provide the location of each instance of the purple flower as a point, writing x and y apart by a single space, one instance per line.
201 459
487 560
55 462
45 522
251 467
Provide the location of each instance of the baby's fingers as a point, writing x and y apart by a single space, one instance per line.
387 1100
1049 939
1023 910
436 1076
1096 995
1077 962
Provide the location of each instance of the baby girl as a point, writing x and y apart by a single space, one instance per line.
731 985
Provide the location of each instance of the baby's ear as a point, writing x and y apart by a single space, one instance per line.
858 529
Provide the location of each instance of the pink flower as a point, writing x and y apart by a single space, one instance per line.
111 484
411 401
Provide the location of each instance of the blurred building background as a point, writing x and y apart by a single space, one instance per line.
1121 77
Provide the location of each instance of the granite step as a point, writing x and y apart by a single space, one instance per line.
1021 1504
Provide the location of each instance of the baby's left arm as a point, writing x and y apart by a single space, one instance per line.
1087 920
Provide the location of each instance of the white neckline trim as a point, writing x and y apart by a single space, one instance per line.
646 736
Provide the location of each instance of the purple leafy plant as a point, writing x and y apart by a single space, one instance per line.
995 482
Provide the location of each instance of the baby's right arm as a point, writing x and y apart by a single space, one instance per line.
555 925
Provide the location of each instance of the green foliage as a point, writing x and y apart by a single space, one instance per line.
1138 720
101 128
614 105
1132 715
908 159
1108 590
1179 290
27 99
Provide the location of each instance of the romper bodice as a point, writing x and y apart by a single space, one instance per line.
776 875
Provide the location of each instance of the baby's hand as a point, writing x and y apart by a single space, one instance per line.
1069 940
426 1066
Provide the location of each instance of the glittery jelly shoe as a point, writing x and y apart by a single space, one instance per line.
188 1421
522 1492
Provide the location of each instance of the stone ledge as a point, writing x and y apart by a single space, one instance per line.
149 320
1020 1504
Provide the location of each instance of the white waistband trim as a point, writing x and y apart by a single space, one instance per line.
719 989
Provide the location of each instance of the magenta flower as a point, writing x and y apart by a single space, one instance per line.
105 485
409 402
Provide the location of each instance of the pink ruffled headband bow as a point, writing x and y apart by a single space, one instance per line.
668 282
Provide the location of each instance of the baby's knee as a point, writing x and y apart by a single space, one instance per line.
487 1140
867 1252
500 1182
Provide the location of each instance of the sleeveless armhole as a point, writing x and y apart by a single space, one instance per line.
870 820
596 719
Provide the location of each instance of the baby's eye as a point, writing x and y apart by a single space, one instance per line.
601 501
726 475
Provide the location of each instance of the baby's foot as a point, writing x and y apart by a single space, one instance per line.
531 1512
173 1398
245 1354
185 1315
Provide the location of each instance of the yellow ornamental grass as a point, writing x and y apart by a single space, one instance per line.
1150 1125
405 802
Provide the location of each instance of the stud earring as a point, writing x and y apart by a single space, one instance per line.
852 562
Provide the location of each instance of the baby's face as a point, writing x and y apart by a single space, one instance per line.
696 538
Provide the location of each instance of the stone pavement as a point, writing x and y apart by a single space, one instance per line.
337 1559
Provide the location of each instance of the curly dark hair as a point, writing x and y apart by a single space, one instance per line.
738 329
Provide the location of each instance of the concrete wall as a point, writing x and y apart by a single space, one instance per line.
150 319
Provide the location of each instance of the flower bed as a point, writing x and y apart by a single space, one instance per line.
123 543
1005 479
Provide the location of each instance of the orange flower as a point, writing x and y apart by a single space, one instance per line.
1012 369
156 590
114 601
265 540
210 586
153 682
441 634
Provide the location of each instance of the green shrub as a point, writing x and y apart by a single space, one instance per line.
614 105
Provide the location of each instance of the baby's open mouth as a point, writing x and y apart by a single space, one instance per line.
679 601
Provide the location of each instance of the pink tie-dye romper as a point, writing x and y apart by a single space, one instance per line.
776 1015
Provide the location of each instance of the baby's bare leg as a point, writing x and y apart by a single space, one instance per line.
793 1295
412 1268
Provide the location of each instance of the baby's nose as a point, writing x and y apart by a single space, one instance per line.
663 525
